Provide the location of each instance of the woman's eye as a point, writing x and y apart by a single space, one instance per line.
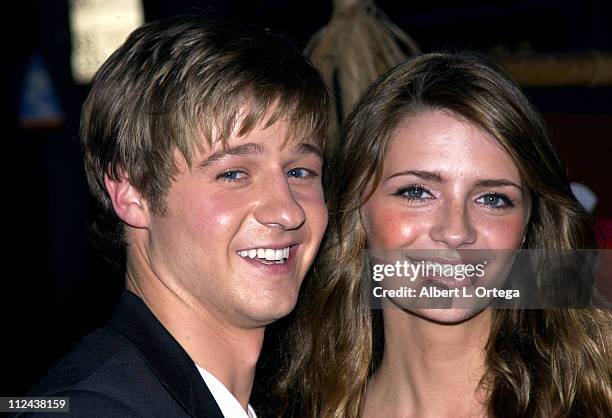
419 193
495 201
232 175
301 173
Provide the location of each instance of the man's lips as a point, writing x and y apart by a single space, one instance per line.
269 254
271 245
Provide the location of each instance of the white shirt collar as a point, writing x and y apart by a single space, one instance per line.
229 405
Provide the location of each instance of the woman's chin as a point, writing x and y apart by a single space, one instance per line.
446 316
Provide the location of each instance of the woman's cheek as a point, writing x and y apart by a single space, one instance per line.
390 229
502 233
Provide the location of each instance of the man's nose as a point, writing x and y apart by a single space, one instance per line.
278 206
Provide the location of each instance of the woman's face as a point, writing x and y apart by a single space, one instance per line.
446 186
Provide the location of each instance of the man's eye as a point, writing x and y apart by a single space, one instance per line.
232 175
301 173
495 201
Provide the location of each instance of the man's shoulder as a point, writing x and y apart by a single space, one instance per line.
131 367
99 359
104 372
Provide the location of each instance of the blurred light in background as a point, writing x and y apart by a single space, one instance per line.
98 27
39 105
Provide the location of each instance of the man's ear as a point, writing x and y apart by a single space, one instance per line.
128 203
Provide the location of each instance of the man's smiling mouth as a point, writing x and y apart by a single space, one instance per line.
266 255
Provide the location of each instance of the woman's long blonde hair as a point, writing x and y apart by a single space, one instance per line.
540 363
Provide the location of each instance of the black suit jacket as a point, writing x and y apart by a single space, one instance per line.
130 368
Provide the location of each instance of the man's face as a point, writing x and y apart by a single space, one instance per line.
242 227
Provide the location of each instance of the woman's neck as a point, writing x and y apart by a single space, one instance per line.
429 369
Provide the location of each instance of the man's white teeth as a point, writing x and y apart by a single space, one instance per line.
268 254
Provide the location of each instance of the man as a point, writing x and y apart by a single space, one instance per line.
202 144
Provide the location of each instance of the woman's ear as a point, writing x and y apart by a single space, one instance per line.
128 202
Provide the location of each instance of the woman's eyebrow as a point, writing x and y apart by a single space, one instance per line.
437 177
422 174
497 183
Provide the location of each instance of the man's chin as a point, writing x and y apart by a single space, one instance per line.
263 316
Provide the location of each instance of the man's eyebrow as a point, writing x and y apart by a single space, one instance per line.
238 150
307 148
497 183
425 175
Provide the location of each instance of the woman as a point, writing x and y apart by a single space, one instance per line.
445 153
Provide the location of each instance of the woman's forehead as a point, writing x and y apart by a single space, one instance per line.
440 141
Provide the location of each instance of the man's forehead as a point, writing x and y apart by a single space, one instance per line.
220 150
263 144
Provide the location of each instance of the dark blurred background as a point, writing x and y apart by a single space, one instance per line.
60 288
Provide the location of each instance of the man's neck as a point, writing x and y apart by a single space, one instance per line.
432 370
227 351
